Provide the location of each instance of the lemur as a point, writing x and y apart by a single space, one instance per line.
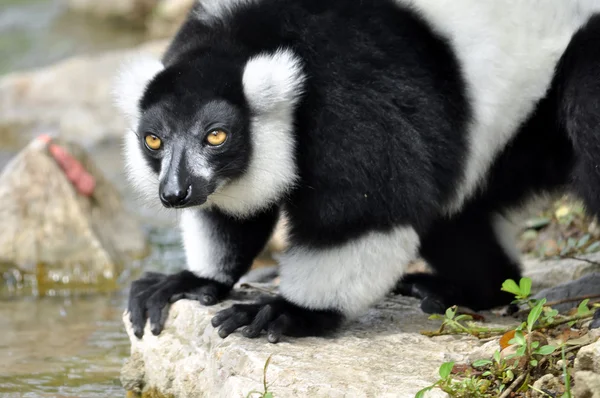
384 130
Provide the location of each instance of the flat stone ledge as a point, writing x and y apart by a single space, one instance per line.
381 354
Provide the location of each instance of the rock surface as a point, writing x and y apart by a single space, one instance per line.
50 227
550 273
382 354
587 372
587 285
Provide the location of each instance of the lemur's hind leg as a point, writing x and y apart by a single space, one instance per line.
471 255
579 110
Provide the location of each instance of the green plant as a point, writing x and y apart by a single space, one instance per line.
510 373
520 291
266 393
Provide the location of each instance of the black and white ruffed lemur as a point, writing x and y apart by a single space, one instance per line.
384 130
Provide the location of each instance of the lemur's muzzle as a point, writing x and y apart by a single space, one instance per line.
178 187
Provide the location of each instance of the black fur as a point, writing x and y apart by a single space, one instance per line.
380 142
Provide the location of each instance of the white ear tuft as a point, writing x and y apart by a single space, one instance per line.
131 81
273 79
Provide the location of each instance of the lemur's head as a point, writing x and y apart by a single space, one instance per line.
211 130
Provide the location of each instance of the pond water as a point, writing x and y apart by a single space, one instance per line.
36 33
68 345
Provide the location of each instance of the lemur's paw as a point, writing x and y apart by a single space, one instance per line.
150 296
278 317
435 294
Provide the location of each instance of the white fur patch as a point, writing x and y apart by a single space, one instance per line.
349 278
130 83
141 177
203 249
132 78
508 50
211 10
272 86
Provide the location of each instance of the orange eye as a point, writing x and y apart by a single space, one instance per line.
216 137
153 142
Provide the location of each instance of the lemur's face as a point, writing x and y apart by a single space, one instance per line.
213 129
195 138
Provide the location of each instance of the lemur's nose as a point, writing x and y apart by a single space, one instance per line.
176 197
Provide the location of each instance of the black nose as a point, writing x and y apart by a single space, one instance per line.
176 197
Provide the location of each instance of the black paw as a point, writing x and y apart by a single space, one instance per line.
426 290
151 295
278 317
437 294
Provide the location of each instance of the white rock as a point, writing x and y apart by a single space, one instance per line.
381 354
587 372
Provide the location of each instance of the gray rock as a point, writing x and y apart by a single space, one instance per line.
50 229
550 273
587 372
549 383
588 285
381 354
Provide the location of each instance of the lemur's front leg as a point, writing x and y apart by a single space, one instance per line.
320 287
219 250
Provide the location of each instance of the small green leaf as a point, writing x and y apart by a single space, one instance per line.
450 312
535 313
533 362
583 307
446 369
535 344
268 395
486 373
481 362
525 286
510 375
521 350
463 317
422 392
497 356
545 350
511 286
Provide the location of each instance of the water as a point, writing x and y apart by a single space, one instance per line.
37 33
73 345
69 345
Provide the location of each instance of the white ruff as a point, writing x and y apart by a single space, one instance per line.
508 50
349 278
272 85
